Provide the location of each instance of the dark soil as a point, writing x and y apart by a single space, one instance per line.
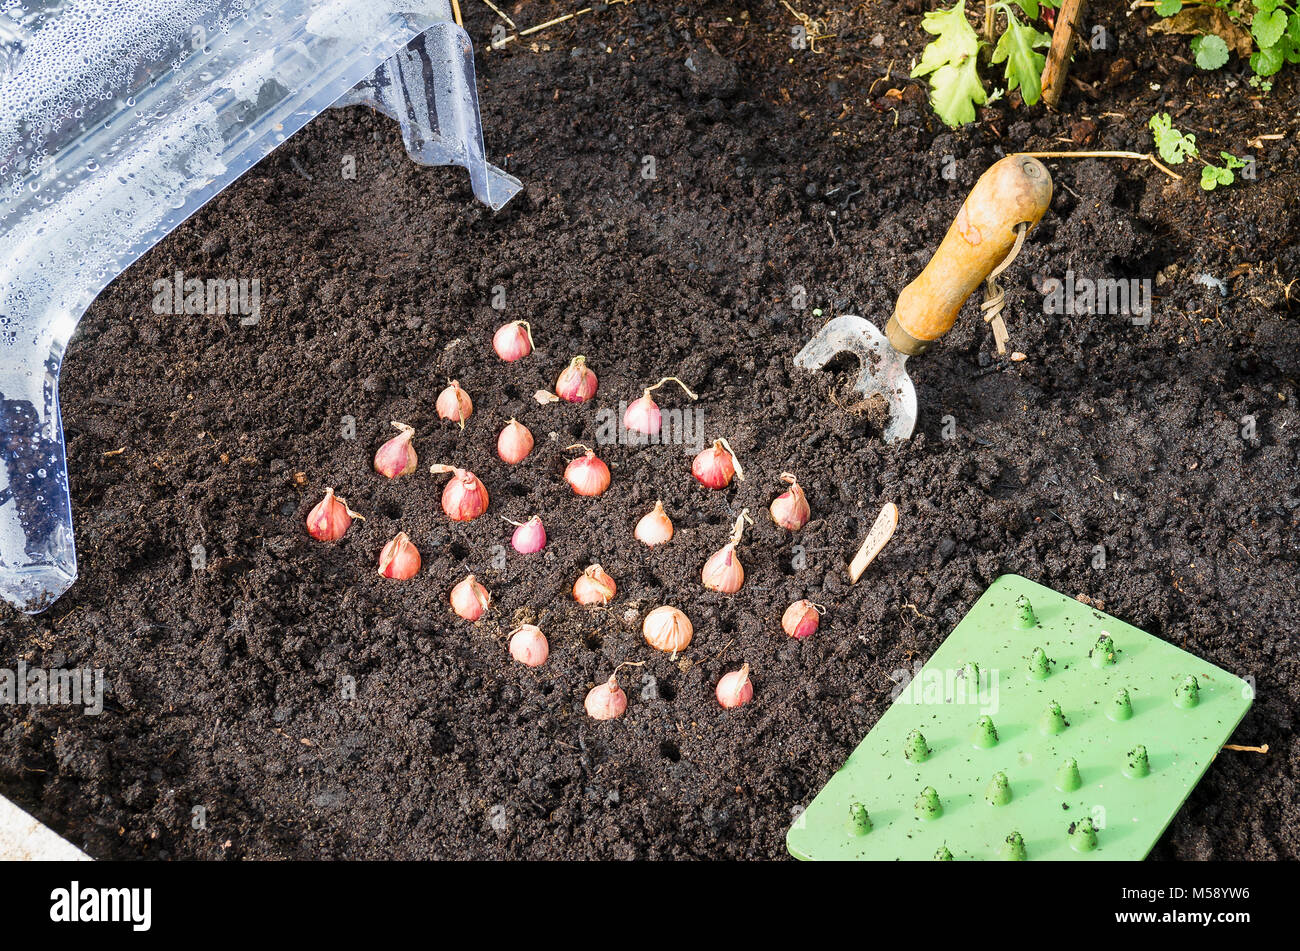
775 168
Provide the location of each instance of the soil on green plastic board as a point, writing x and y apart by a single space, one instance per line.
316 710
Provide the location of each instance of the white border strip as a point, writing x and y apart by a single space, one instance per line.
23 839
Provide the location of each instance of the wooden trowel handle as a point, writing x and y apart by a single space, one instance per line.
1015 190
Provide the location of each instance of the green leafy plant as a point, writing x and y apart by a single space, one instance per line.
1176 147
1210 50
1212 176
951 59
1274 30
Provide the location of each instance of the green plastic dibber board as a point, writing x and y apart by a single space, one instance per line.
974 760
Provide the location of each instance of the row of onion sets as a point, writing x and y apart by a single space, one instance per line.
465 497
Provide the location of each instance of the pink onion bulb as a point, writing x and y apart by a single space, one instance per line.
529 537
734 689
606 701
513 341
800 619
642 414
587 475
594 586
397 456
329 519
515 442
528 645
454 403
667 629
655 527
399 559
715 466
576 383
465 497
723 571
790 509
469 599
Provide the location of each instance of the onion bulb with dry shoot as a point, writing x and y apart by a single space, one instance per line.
529 537
607 701
469 599
790 509
576 383
723 571
513 341
715 466
329 519
800 619
734 689
400 559
454 403
464 497
397 456
642 414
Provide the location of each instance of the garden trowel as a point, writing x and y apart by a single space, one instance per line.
1015 191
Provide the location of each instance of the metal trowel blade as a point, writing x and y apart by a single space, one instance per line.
884 369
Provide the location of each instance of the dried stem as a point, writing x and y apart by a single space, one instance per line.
671 379
1143 156
721 441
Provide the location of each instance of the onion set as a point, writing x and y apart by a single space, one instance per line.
594 586
513 341
735 689
790 509
400 559
576 383
397 456
642 414
454 403
528 645
667 629
469 599
607 701
715 466
587 475
329 519
655 527
723 571
515 442
465 497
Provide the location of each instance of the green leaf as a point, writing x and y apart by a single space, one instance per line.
949 60
1267 28
1173 146
1212 176
1266 6
1024 68
1167 8
954 42
1029 6
1211 51
1266 62
955 91
1290 41
1231 161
